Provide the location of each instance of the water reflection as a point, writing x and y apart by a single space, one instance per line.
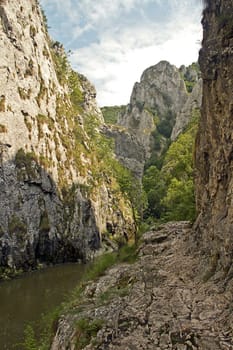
23 300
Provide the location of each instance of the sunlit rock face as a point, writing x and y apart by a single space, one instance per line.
160 106
187 112
55 197
214 181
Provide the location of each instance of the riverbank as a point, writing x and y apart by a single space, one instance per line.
159 302
40 335
24 300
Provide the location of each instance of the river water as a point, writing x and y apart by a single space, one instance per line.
24 300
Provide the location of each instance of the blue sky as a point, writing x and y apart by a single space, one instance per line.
113 41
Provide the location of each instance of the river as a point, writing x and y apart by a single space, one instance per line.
24 300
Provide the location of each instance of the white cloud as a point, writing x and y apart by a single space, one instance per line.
117 61
127 39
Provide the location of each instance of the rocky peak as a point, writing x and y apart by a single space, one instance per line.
150 116
160 87
165 78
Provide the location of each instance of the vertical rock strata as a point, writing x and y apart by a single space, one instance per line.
154 104
214 145
55 192
160 108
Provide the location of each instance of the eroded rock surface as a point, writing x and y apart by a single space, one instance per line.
214 150
160 107
160 302
56 196
155 99
188 111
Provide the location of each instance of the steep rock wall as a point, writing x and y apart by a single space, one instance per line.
158 105
187 112
214 181
55 190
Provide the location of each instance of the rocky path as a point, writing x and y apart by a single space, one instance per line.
160 302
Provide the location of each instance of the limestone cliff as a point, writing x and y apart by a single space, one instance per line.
164 300
153 106
158 102
192 104
55 181
214 152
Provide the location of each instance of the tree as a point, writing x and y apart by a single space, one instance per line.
155 187
132 188
170 191
179 200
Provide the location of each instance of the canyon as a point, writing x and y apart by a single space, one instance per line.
62 198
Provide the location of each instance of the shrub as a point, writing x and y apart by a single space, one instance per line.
85 330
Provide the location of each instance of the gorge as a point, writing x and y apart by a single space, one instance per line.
65 179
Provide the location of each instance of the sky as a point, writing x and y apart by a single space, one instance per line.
113 41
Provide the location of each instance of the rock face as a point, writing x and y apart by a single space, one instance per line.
214 181
160 302
187 112
156 99
158 102
55 193
166 300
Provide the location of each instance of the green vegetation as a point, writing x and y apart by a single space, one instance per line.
17 226
170 190
24 159
60 60
7 273
166 124
86 329
30 339
40 336
113 292
160 140
132 189
43 120
45 20
76 95
155 187
189 75
112 113
25 164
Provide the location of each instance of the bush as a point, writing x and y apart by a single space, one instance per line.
30 342
85 330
